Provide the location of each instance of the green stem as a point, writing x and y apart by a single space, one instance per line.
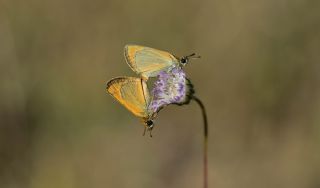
205 143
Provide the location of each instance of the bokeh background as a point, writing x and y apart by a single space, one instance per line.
258 77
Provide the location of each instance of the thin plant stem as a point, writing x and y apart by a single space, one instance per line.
205 143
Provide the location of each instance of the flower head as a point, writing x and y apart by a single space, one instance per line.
171 87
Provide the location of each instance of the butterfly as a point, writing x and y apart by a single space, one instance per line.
133 94
170 88
149 62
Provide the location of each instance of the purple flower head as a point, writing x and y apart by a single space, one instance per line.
171 87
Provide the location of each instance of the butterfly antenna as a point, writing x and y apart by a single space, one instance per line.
193 56
144 131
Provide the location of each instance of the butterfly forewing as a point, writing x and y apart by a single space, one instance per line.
148 62
131 93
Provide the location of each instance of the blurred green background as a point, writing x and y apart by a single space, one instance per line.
258 77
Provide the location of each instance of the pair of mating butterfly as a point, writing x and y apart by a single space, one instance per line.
171 86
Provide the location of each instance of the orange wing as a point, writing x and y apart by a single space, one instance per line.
148 62
132 93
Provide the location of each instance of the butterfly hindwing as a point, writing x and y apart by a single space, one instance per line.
132 93
148 62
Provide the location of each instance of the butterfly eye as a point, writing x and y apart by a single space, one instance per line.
184 60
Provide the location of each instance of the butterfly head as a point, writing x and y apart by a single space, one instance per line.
185 59
148 126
